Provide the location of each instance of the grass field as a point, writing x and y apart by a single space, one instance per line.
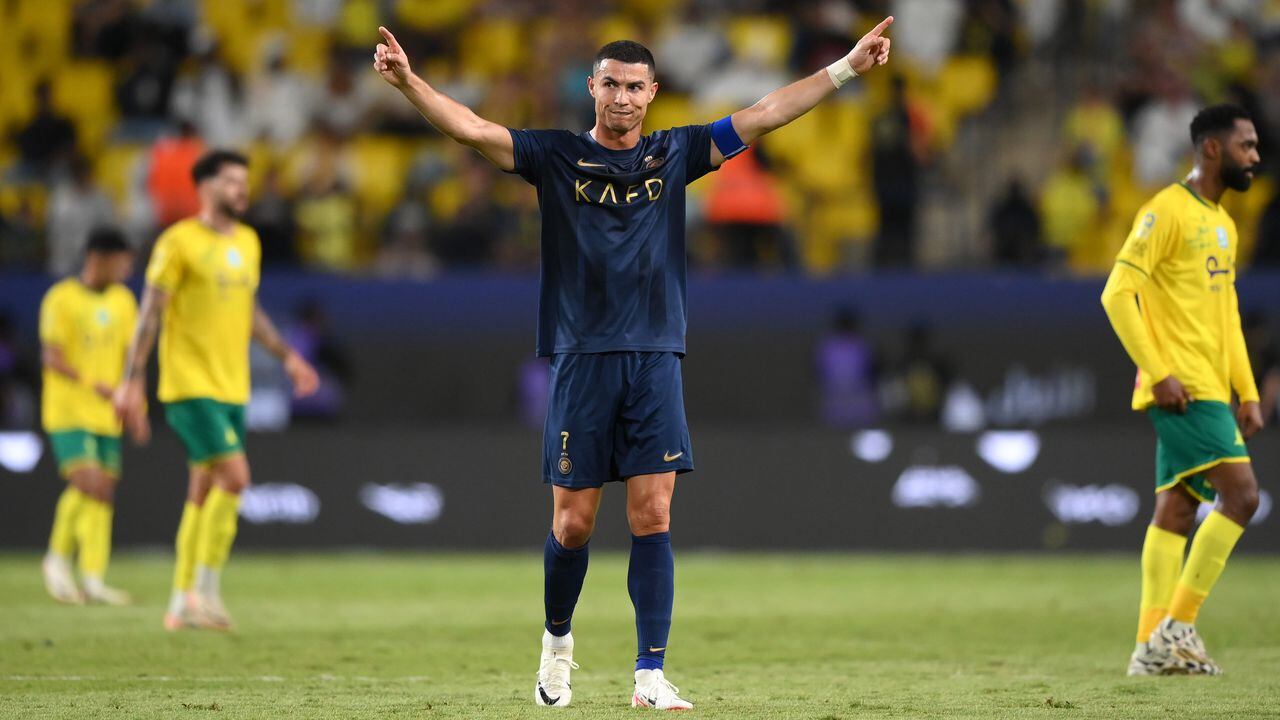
456 636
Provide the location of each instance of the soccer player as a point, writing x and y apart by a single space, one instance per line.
201 298
1172 301
612 316
85 323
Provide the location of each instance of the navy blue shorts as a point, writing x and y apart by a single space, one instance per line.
611 416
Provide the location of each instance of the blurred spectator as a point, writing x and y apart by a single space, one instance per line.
749 76
822 34
17 379
144 90
310 335
925 31
1069 205
21 242
208 95
169 183
1095 124
1160 139
76 206
990 28
281 103
327 219
47 140
921 380
1015 229
744 211
896 160
1266 252
471 236
345 101
687 49
404 252
533 389
271 214
846 367
105 28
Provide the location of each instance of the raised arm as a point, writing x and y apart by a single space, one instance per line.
304 377
788 103
443 112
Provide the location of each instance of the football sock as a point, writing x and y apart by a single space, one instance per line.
62 539
93 532
651 583
563 572
188 532
1161 562
1209 552
217 528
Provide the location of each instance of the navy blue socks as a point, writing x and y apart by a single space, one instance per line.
651 582
563 570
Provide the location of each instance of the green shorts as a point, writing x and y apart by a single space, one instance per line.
1190 444
209 430
76 449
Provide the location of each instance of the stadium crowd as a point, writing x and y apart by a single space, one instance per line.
104 106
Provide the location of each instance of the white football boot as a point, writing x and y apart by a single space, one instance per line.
553 688
1187 654
98 592
656 692
1145 661
59 581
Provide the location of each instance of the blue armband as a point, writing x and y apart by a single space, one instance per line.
726 138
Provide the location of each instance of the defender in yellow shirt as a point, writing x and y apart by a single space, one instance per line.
85 323
1172 301
201 299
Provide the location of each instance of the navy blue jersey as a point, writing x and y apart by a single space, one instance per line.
613 247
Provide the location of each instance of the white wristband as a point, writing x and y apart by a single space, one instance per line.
841 72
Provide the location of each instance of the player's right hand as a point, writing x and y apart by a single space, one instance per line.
1170 395
130 396
390 61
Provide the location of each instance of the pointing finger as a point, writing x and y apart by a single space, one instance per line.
391 39
885 23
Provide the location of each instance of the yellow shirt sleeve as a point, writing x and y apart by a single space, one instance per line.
1238 355
1142 251
166 267
53 325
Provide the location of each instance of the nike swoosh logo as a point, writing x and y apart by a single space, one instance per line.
547 698
583 163
668 457
654 649
559 622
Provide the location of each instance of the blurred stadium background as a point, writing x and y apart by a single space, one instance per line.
894 302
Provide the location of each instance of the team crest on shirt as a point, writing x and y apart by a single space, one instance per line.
103 317
1222 238
650 162
234 259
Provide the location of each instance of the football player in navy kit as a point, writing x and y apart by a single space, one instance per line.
612 315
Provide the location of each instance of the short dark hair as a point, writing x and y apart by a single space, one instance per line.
1216 118
625 51
211 163
106 241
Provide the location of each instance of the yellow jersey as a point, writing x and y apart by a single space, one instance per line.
92 329
212 282
1180 261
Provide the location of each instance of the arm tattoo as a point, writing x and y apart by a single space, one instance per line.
265 332
144 337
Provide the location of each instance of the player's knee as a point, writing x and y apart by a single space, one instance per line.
1241 503
649 517
573 530
233 477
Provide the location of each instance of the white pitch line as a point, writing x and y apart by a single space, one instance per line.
250 678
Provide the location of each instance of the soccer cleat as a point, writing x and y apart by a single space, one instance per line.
59 582
208 612
1145 661
654 691
181 617
553 688
100 594
1184 647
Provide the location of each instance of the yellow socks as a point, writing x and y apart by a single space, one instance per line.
1209 552
217 528
1161 564
188 533
93 532
62 539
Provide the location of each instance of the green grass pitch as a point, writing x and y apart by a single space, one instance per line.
756 636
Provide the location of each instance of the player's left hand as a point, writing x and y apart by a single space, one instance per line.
872 49
1249 417
304 377
139 427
